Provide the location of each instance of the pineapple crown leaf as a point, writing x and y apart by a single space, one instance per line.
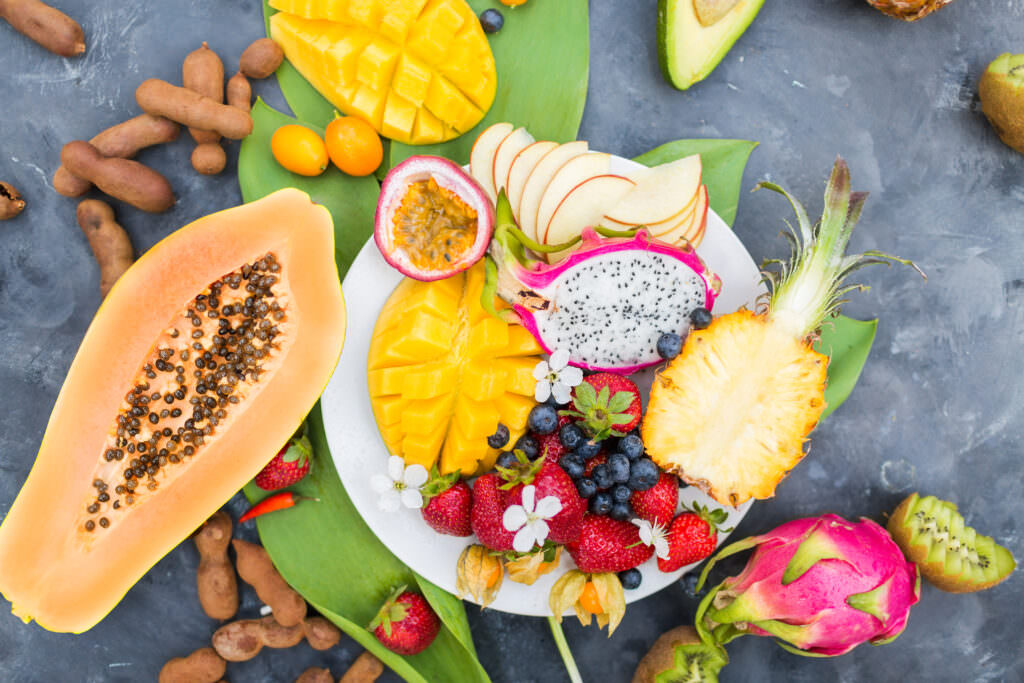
600 411
299 451
438 483
807 289
521 473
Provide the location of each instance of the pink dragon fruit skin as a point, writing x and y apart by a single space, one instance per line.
823 585
533 291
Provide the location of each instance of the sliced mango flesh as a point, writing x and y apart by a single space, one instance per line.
442 373
419 71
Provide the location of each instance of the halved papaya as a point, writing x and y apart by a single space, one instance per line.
203 359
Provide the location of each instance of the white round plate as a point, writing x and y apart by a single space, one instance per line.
359 452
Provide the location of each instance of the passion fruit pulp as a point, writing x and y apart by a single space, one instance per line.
433 220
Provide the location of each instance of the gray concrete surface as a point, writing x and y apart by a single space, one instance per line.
939 407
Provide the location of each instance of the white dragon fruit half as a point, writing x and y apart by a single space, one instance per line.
608 302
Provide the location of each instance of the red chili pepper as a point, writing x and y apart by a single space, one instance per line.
278 501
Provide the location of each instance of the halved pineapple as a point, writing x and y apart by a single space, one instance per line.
730 414
418 71
443 373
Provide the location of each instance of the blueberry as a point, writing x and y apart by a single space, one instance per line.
631 578
589 448
690 582
491 20
670 345
573 465
632 445
602 477
643 475
601 503
571 436
622 512
499 439
700 318
586 487
507 459
621 493
528 445
618 467
543 419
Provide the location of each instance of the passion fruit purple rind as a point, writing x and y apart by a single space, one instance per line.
433 220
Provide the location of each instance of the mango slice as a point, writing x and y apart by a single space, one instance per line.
419 71
442 373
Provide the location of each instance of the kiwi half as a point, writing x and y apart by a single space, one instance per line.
950 554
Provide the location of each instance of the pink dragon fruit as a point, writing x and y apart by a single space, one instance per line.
820 585
608 302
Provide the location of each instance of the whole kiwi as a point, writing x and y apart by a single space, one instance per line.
1002 98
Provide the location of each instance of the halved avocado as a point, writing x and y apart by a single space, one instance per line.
694 35
1002 98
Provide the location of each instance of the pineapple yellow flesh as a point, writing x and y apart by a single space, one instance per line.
731 413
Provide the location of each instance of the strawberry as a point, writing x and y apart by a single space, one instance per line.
691 536
447 501
406 623
658 503
289 466
608 545
606 404
551 444
486 513
598 459
551 480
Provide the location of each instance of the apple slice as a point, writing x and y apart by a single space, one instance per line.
584 206
539 179
514 143
663 226
691 228
660 192
481 157
520 170
571 174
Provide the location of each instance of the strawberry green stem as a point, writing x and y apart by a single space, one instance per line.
563 649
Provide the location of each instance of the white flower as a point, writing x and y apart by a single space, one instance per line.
653 534
401 485
556 377
529 520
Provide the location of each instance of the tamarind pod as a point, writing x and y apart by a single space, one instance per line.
123 179
191 109
203 72
11 203
109 241
46 25
240 92
122 140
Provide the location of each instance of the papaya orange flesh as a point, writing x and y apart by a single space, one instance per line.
202 361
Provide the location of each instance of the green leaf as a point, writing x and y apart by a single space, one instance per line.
351 201
723 163
542 55
323 549
847 342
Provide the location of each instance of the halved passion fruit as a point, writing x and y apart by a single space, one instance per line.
433 220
